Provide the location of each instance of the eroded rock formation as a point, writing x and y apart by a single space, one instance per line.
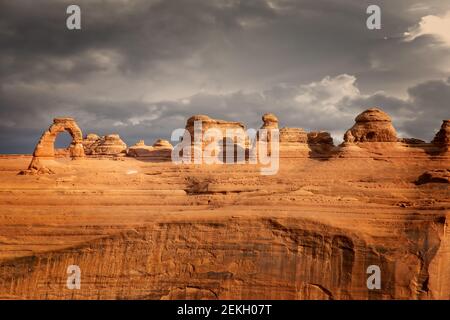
162 144
107 145
45 148
208 123
320 138
293 136
36 168
46 145
270 121
442 137
229 130
294 143
226 232
372 135
163 231
139 149
89 141
161 149
372 125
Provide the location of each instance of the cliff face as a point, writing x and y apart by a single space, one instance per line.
154 230
146 228
236 258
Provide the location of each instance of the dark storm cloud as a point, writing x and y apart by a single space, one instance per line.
230 40
133 62
141 32
330 104
431 101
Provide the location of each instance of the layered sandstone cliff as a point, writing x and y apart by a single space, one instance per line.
293 136
155 230
145 229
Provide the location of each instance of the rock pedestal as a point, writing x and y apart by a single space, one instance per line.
270 121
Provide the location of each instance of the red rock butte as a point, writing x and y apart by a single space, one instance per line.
141 227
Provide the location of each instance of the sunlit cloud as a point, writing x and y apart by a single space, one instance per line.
436 26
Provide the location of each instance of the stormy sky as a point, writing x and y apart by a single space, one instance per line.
140 68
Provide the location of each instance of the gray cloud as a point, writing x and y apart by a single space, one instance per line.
134 62
329 104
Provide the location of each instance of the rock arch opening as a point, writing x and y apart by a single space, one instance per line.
62 144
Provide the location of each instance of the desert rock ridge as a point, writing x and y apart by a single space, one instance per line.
372 132
141 228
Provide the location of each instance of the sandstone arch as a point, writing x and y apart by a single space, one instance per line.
46 145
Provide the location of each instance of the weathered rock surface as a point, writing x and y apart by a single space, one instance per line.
320 137
207 123
244 258
442 138
89 141
161 149
270 121
163 231
293 136
270 130
294 143
36 168
351 150
140 149
143 229
107 145
372 125
162 144
435 176
229 130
